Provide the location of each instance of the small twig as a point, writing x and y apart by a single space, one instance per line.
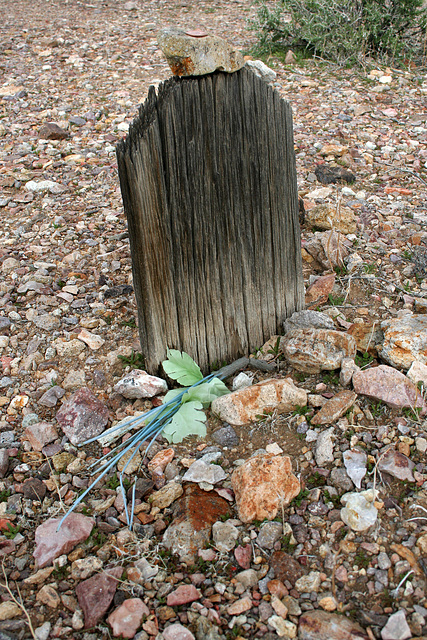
395 591
19 603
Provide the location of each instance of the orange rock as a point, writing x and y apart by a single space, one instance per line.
161 460
262 485
399 190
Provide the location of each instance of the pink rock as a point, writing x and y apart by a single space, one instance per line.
243 556
83 416
51 543
389 385
335 408
177 632
341 574
322 625
96 594
40 434
184 594
262 485
249 404
240 606
318 292
208 555
126 619
397 465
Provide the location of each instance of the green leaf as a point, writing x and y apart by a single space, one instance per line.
206 392
189 420
180 367
171 395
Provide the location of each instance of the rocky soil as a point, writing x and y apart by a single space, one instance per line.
216 554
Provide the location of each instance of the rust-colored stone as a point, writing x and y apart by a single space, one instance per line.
181 66
335 408
285 567
195 513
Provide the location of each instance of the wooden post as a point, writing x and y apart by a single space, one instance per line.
209 187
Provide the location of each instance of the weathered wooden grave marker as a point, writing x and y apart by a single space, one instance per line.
208 180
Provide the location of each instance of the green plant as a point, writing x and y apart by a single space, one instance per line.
60 573
377 408
113 482
300 376
335 301
286 543
412 413
345 31
369 267
330 377
303 494
332 498
301 410
364 359
361 560
407 254
315 480
340 270
129 323
96 538
275 350
11 531
134 360
4 495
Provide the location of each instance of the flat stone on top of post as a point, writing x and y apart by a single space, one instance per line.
195 53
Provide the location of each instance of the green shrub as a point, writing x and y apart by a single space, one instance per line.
344 31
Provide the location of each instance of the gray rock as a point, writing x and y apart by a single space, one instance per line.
44 185
247 578
4 323
29 420
269 533
308 318
7 438
188 55
224 535
51 396
4 462
5 382
396 628
261 70
226 437
205 630
47 322
200 471
324 452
